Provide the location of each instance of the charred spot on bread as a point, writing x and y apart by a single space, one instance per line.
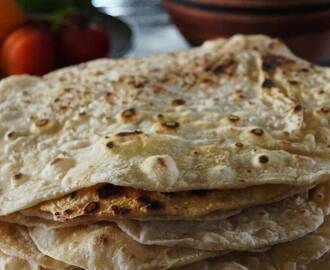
257 131
91 207
107 190
129 133
268 83
119 211
151 204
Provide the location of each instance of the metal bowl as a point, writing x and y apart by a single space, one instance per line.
119 32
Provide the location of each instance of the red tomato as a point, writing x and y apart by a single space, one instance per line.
77 43
29 50
12 16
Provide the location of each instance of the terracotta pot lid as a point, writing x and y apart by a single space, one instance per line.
257 6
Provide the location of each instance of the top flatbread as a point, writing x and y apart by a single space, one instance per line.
230 114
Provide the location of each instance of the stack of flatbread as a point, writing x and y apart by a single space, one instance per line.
213 158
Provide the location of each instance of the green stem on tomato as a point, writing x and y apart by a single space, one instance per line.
54 11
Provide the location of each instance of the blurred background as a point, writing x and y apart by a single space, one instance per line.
153 31
37 36
151 25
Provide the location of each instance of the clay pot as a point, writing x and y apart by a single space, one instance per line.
303 24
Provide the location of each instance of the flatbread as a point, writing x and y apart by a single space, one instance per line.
217 264
302 254
230 114
104 246
8 262
15 241
27 221
33 221
254 228
109 202
83 239
321 264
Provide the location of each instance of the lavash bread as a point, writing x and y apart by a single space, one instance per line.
211 133
100 246
105 247
320 264
229 114
32 221
109 202
307 253
8 262
15 241
20 219
253 228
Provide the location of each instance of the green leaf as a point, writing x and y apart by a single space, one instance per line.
45 7
82 4
52 11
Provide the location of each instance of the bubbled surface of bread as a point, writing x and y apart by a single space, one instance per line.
229 114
